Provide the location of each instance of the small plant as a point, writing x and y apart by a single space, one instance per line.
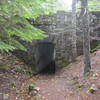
31 87
26 71
29 72
20 70
13 84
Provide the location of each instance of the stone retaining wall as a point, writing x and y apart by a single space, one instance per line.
59 28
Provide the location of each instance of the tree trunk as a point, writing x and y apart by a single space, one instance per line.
74 37
86 36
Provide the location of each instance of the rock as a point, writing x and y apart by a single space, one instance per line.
6 96
37 88
94 87
95 75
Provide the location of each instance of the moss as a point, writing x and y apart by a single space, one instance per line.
13 84
95 49
91 90
65 63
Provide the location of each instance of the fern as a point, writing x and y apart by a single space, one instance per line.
6 47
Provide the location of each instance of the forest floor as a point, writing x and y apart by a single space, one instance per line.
67 84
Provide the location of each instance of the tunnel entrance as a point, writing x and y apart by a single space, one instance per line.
45 57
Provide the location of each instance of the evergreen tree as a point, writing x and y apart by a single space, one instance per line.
13 22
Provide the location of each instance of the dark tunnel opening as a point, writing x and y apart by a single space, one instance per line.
45 58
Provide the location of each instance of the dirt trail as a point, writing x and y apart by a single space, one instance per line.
66 84
69 83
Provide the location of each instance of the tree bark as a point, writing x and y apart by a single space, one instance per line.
86 36
74 37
